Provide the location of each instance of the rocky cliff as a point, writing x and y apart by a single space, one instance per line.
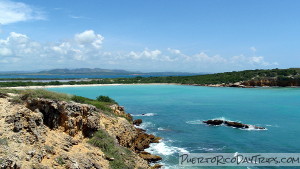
43 133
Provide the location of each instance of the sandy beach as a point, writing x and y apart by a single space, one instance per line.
83 85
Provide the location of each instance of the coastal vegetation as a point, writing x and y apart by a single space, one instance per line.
114 153
102 104
273 77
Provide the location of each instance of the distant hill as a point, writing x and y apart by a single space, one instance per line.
85 71
100 71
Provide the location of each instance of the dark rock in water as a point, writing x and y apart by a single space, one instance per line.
236 124
156 166
137 122
149 157
231 124
260 128
214 122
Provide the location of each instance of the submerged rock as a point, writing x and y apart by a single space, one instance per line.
232 124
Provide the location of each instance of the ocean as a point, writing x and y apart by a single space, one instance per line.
176 112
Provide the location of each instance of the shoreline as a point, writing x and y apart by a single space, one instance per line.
83 85
120 84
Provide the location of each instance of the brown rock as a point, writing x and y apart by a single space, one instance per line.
137 122
143 141
156 166
72 117
149 157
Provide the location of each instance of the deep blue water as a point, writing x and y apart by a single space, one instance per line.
175 113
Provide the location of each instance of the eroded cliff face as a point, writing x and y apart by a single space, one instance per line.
281 82
53 134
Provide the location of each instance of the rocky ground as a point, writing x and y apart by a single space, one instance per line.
43 133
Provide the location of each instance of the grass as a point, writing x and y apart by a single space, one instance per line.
41 93
103 103
9 91
107 144
60 160
98 104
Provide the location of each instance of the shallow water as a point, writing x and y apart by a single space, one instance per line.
176 113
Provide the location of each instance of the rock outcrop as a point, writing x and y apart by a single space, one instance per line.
45 133
232 124
69 117
138 122
127 135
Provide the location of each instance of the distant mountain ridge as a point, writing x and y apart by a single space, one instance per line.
100 71
85 71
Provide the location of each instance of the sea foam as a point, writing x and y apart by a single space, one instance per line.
162 148
146 114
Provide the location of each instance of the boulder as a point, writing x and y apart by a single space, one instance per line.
149 157
137 122
143 140
156 166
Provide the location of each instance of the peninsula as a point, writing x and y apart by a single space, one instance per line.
246 78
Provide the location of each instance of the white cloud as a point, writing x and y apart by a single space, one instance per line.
89 38
5 52
203 57
85 50
242 60
174 51
146 54
81 47
11 12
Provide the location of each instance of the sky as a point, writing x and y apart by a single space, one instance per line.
150 35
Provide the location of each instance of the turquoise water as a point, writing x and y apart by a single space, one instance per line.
176 113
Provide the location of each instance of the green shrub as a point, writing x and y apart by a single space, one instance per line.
80 99
106 99
107 144
98 104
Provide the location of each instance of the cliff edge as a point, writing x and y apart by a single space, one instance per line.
47 133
